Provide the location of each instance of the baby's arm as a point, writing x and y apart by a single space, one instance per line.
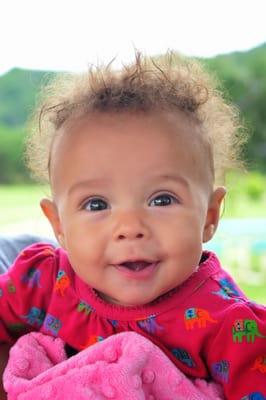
4 351
9 249
25 291
21 292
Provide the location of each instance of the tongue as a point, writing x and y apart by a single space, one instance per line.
136 266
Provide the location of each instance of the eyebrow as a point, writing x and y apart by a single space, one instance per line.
172 177
103 181
86 183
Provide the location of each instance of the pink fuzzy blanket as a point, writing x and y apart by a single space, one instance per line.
124 366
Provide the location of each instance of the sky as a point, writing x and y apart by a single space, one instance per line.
69 35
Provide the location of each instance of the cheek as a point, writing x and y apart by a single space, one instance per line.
84 245
183 225
86 261
182 236
86 250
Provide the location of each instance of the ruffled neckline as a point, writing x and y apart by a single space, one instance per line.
173 298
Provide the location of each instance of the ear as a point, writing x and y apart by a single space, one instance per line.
51 212
213 213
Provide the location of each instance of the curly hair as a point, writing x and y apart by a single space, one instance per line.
168 83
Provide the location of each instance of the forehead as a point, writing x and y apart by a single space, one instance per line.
134 142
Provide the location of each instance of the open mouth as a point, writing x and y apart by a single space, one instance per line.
135 265
137 269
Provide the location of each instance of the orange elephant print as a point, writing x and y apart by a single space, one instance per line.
62 282
197 316
260 364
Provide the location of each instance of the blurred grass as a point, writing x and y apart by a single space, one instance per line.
246 195
21 212
246 198
20 202
255 293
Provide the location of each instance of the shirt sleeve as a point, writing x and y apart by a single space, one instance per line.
25 291
237 355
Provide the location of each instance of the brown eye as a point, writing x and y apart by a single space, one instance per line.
95 204
163 200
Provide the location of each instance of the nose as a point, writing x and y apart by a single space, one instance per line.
130 225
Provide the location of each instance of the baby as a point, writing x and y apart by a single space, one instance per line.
136 161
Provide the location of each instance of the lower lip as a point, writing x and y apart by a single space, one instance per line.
142 274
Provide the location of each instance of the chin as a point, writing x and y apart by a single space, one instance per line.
127 301
133 302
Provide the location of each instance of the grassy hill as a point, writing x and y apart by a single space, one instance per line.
243 78
241 74
18 89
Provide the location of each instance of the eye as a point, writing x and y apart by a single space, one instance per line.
163 200
95 204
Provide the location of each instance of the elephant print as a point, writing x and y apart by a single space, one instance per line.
197 316
220 370
246 328
32 278
11 287
62 282
35 316
92 340
150 324
52 324
183 356
260 364
84 307
254 396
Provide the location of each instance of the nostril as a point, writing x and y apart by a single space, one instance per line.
137 236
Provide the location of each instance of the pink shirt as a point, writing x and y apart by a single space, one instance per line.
207 327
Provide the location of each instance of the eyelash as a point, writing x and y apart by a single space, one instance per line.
173 200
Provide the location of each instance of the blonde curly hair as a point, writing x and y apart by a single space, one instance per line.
169 83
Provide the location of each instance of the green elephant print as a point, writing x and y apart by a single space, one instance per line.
246 328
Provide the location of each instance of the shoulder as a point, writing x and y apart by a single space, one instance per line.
246 311
38 259
217 292
29 285
238 318
218 283
12 245
35 254
241 330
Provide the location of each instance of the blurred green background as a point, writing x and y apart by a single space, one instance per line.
241 237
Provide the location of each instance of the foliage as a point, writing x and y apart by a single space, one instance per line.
255 186
12 168
246 195
18 90
242 77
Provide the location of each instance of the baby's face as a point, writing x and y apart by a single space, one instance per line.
132 202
